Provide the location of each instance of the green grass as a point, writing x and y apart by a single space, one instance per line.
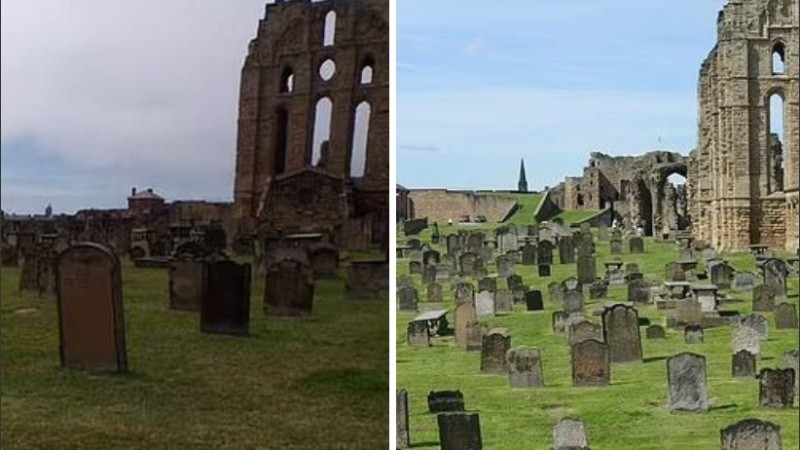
630 414
526 206
320 382
570 217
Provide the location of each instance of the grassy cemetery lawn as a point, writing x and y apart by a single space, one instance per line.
631 413
319 382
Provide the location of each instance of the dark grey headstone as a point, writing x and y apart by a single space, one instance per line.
566 250
743 364
407 297
598 289
401 420
445 401
543 270
655 332
638 291
493 353
459 431
186 283
587 270
751 434
226 304
763 298
743 281
776 388
533 301
289 288
621 333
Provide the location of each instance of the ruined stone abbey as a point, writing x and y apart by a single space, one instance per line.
313 140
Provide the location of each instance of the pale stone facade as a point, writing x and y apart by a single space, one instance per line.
742 191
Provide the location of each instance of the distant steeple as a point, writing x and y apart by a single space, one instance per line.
522 185
48 211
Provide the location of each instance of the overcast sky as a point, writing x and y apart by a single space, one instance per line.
101 96
483 84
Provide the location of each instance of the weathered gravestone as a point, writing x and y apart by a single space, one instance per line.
775 272
186 283
636 245
453 243
468 262
615 246
675 272
525 367
758 323
688 312
587 270
431 257
415 267
445 401
543 270
776 388
721 275
655 332
29 271
763 298
503 302
559 318
583 331
571 284
556 291
401 419
226 303
570 434
475 242
459 431
528 255
638 291
487 284
686 376
465 314
518 294
693 334
428 274
493 352
505 265
434 292
566 250
407 296
544 253
513 281
533 301
591 365
289 288
475 333
484 303
792 361
743 364
598 289
46 278
785 316
90 313
418 334
751 434
573 302
746 338
743 281
324 259
621 333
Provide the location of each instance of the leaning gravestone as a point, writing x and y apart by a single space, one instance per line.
525 367
226 303
636 245
445 401
407 296
459 431
621 333
533 301
494 347
686 376
785 316
591 365
186 283
418 334
776 388
289 288
743 364
484 303
655 332
570 434
751 434
503 302
401 421
763 298
90 312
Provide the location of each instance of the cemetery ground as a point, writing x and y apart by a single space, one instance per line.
317 382
632 412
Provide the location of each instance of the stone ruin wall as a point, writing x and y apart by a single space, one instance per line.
735 199
276 123
636 186
439 205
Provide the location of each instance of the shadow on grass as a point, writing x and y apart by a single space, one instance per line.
654 359
425 444
723 407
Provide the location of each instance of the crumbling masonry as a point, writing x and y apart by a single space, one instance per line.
743 179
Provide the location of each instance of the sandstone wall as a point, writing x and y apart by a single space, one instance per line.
439 205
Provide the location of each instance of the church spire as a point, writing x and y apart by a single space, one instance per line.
522 185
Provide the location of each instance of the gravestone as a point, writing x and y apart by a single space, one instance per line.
445 401
525 367
776 388
226 303
415 267
407 295
528 255
621 333
459 431
721 275
468 262
428 274
487 284
792 361
587 270
465 314
775 272
688 312
631 269
505 266
598 289
484 303
503 302
614 273
566 250
785 316
324 260
573 302
46 278
591 364
686 376
418 334
746 338
763 298
655 332
636 245
743 281
570 434
584 244
289 288
543 270
90 313
544 253
571 284
559 319
513 281
518 294
401 420
693 334
475 242
638 291
583 331
751 434
186 282
475 333
675 272
743 364
465 292
758 323
453 243
431 257
533 301
434 292
493 353
615 246
414 244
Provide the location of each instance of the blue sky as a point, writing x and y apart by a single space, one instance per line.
482 84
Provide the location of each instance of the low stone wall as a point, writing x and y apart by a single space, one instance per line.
439 205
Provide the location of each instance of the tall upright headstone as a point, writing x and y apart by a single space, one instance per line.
686 376
621 333
226 300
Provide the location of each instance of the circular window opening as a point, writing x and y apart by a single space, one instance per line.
327 69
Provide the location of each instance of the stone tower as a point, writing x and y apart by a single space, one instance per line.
743 185
522 184
313 131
